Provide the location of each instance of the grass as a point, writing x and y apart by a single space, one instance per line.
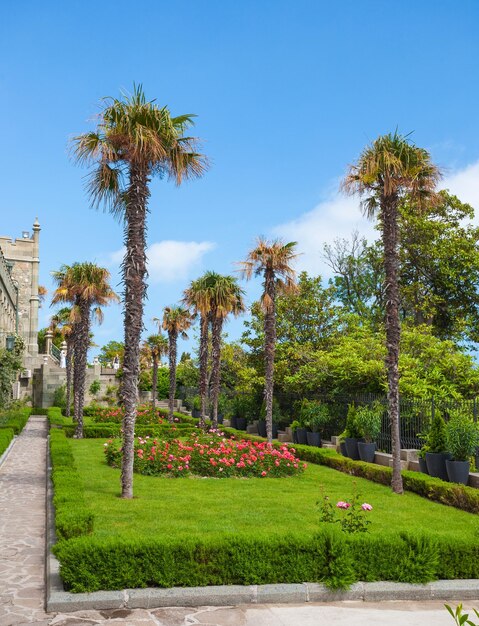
212 507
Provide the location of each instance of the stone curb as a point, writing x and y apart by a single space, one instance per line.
4 456
59 600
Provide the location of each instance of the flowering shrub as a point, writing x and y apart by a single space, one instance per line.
354 521
145 415
208 455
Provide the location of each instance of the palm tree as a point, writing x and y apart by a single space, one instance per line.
135 140
176 321
271 260
226 297
87 286
62 319
197 298
388 170
154 348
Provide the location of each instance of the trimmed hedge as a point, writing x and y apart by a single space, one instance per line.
93 563
72 517
15 419
6 436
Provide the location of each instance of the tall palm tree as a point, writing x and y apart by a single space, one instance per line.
62 320
87 285
388 170
154 348
272 260
135 140
197 298
176 321
226 297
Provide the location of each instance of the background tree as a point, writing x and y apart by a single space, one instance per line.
272 261
87 285
176 321
109 351
197 298
134 141
386 172
226 297
154 347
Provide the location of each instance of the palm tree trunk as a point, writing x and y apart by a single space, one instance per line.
81 351
154 382
269 350
203 366
172 339
217 325
393 329
134 270
69 367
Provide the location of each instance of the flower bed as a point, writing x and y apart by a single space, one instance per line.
208 455
145 415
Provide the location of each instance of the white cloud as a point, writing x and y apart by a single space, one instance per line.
464 184
169 261
335 217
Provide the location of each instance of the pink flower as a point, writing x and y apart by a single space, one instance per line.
343 505
366 507
263 473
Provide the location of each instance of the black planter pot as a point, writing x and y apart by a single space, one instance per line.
342 448
458 471
302 436
366 451
314 439
262 428
275 431
352 448
233 421
220 418
436 464
195 412
241 423
423 466
295 437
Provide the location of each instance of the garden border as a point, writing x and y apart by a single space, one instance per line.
4 455
59 600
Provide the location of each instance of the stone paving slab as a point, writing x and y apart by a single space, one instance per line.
22 568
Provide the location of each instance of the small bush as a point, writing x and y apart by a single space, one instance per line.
462 437
436 439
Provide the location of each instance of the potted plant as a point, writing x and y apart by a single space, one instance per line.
302 430
196 410
294 427
352 434
316 417
421 455
437 455
241 412
368 420
462 436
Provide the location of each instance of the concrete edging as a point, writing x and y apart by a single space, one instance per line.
59 600
4 456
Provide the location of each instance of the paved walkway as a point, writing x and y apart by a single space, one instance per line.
22 552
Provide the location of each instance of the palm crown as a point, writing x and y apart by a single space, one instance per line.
135 132
176 321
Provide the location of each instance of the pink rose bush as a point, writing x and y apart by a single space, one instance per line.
208 455
353 521
145 415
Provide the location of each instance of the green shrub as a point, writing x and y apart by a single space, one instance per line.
368 420
436 439
6 436
352 428
462 437
15 418
313 415
91 563
72 517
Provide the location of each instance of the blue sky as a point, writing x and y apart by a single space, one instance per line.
286 94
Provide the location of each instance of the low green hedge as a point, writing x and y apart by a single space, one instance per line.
93 563
72 517
6 436
15 419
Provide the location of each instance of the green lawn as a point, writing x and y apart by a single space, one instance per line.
207 506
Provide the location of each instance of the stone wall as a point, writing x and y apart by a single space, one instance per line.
23 257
